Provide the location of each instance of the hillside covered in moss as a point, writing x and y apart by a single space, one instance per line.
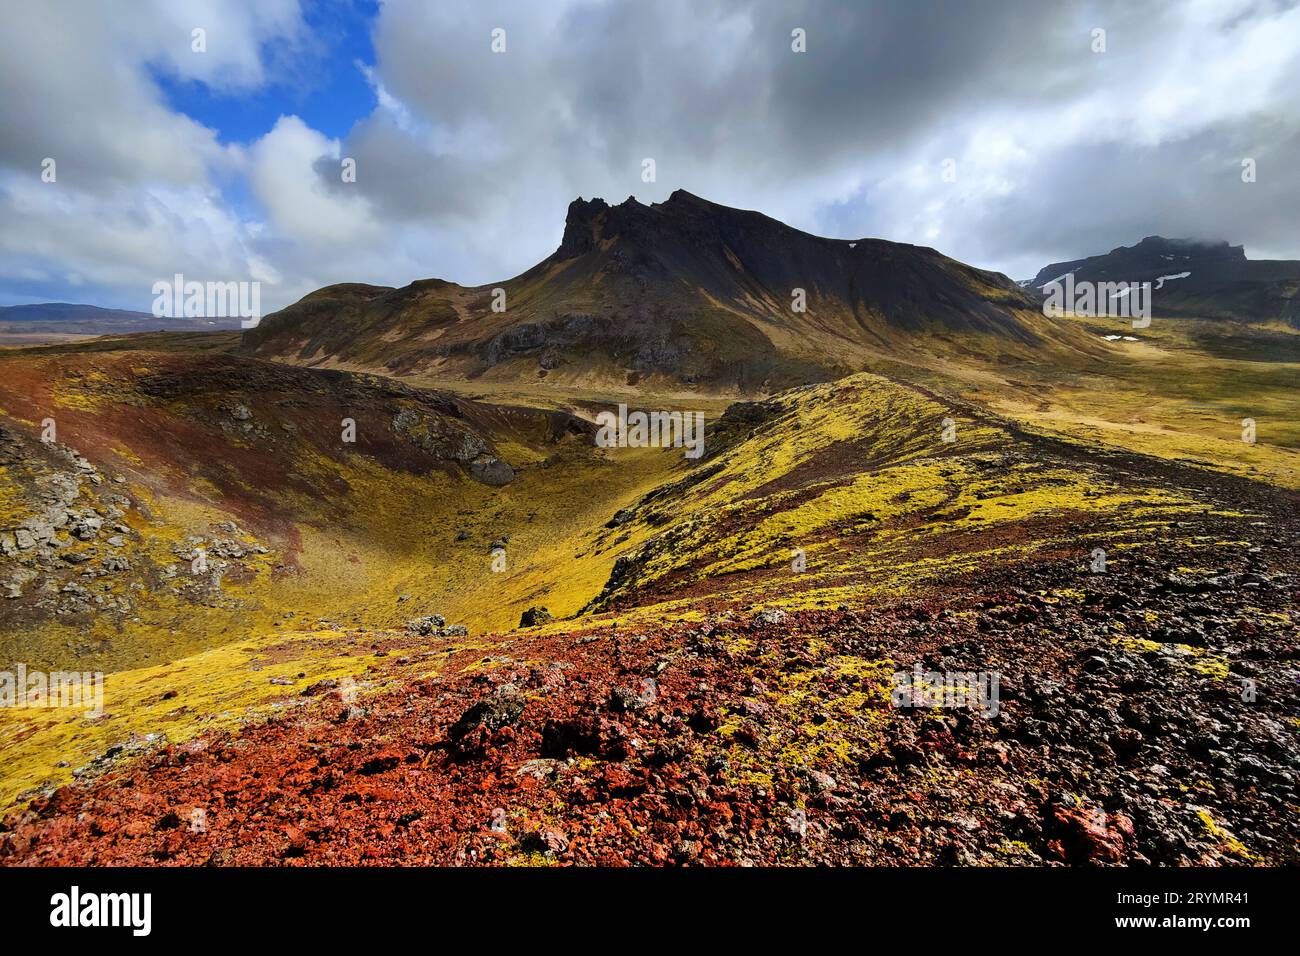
470 634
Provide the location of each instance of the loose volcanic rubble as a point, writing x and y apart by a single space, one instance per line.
1123 735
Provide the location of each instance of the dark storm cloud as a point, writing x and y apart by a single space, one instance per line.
466 167
1055 145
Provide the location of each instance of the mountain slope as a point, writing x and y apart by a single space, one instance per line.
686 292
1200 279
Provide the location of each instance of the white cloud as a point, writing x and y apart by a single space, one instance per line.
466 165
282 169
125 239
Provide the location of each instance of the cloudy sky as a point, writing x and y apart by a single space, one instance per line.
226 163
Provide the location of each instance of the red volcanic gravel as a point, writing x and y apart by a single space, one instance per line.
740 741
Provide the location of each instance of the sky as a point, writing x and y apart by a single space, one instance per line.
1007 134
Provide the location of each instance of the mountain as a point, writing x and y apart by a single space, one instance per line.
1201 279
57 321
684 292
67 312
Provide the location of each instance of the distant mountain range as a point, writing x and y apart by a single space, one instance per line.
1195 279
46 321
687 292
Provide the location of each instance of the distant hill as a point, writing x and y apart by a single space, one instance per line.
1200 279
55 321
687 292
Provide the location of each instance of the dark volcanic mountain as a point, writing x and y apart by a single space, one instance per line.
1201 279
686 292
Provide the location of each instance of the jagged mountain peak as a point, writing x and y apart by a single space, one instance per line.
682 213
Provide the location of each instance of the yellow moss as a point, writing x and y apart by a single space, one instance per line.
847 725
1229 842
1210 665
1196 658
1137 645
216 688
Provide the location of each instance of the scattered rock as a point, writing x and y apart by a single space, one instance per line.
535 616
491 471
485 717
430 624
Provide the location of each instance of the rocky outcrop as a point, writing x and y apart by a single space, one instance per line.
435 625
535 616
452 441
